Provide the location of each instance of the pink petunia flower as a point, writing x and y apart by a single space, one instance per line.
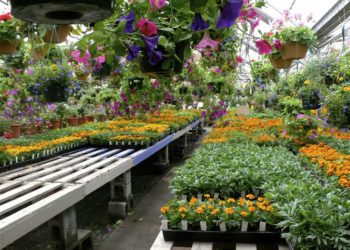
84 59
277 44
146 27
239 59
207 42
264 47
157 4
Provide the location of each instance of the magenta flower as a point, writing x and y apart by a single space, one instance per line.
277 44
84 59
207 42
155 84
264 47
300 116
157 4
147 28
229 13
98 63
239 59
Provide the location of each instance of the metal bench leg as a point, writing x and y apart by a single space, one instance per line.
163 160
121 196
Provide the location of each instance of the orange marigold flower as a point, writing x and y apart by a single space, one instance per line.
244 213
229 210
199 210
182 209
164 209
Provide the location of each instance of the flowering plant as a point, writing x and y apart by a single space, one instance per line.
10 28
214 211
311 95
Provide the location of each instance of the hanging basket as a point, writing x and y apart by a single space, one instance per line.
280 63
38 54
55 93
58 35
294 50
7 47
62 11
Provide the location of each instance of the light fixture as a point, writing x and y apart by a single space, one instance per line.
62 11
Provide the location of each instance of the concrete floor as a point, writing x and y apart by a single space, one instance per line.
139 230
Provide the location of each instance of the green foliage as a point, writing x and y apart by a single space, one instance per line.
10 30
18 60
338 104
301 34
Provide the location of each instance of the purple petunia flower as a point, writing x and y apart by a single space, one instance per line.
229 13
51 107
129 26
133 52
150 42
155 57
199 23
12 92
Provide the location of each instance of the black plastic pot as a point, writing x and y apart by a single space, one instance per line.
217 236
62 11
55 93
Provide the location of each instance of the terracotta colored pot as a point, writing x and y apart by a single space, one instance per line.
8 48
38 54
281 63
83 77
81 121
38 129
57 36
294 50
27 131
73 121
16 130
56 124
89 118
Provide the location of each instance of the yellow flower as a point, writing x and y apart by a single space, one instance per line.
182 209
241 201
346 89
260 199
251 204
231 200
229 210
203 206
307 82
193 200
222 202
199 210
244 213
215 212
210 207
183 215
164 209
252 209
210 199
54 67
340 78
207 196
250 196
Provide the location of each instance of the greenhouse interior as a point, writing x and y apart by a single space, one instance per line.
174 124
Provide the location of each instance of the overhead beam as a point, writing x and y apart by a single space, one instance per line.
335 16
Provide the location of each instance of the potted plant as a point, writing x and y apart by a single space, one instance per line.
338 105
311 95
38 51
53 81
55 114
13 112
56 33
18 60
81 118
10 33
72 119
296 41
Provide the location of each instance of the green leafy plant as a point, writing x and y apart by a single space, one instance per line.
301 34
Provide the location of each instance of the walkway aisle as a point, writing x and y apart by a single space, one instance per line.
139 230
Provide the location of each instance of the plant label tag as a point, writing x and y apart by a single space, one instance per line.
244 227
203 225
33 156
243 193
216 196
200 197
262 226
222 226
184 225
16 159
164 225
110 143
184 197
10 161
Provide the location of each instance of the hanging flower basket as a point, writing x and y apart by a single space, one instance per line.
294 50
38 54
280 63
62 12
55 93
59 35
7 47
